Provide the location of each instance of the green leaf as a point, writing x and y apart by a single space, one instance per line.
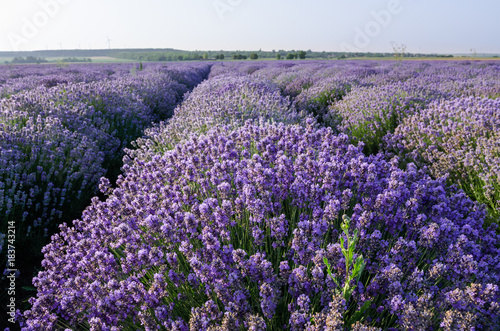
29 288
351 253
357 316
325 260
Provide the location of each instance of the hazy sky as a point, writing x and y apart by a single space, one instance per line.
424 26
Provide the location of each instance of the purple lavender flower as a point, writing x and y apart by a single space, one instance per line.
249 210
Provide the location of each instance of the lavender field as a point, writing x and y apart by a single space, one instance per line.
284 195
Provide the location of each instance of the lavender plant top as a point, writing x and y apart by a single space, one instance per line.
229 230
459 138
20 78
368 113
14 79
43 166
222 101
57 140
366 99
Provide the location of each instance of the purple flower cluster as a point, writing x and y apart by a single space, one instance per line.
229 214
57 141
223 101
367 114
382 94
18 78
229 230
317 99
44 168
458 138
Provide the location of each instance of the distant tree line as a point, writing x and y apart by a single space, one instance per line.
292 56
160 56
169 54
254 55
74 59
28 59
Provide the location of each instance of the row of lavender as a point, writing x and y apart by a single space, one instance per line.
243 212
457 134
61 129
18 78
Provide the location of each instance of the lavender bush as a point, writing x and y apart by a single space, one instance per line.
19 78
239 212
56 142
45 169
317 99
367 114
459 138
222 101
230 231
383 94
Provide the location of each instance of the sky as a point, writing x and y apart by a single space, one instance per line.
423 26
